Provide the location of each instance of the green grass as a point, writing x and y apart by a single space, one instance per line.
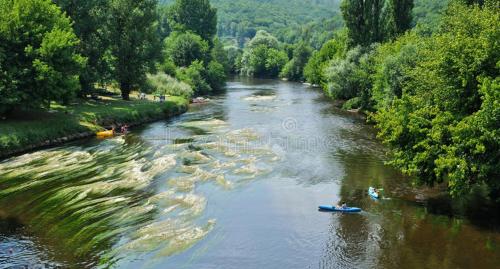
33 128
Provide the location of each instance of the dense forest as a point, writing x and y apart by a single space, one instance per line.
289 21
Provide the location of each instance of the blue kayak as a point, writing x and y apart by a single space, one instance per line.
373 193
335 209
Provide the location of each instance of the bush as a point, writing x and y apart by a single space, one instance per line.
314 71
194 76
352 77
262 56
168 67
163 84
216 75
353 103
294 69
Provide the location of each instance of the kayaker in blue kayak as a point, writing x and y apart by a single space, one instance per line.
374 192
341 205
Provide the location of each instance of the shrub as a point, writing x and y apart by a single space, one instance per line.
215 75
163 84
353 103
194 76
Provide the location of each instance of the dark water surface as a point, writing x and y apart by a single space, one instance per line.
231 184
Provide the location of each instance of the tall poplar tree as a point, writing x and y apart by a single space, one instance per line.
399 17
364 21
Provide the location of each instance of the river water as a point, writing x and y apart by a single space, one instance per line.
231 184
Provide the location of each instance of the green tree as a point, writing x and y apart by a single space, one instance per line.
263 38
399 17
184 48
314 71
90 25
219 54
294 69
393 62
364 21
39 60
234 56
194 76
444 128
351 77
263 56
134 41
195 15
215 75
275 61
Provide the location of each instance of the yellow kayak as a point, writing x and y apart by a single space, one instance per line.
105 133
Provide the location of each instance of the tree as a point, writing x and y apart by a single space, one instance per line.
89 22
364 21
220 55
215 75
194 76
444 127
350 77
134 41
314 71
372 21
184 48
262 56
399 17
42 64
263 38
294 69
393 61
197 16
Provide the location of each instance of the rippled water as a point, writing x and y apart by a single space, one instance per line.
230 184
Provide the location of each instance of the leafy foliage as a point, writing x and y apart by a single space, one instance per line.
42 64
350 77
194 76
89 23
197 16
314 71
135 45
263 56
294 69
163 84
370 21
184 48
444 127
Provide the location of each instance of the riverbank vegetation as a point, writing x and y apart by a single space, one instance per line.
36 128
431 90
54 55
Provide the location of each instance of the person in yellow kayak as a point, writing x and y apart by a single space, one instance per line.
124 129
107 132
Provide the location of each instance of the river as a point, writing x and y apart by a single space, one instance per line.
231 184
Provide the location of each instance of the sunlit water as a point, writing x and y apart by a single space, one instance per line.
231 184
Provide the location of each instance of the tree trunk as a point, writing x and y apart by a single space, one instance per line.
125 89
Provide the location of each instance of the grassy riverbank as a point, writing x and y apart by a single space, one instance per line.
32 129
